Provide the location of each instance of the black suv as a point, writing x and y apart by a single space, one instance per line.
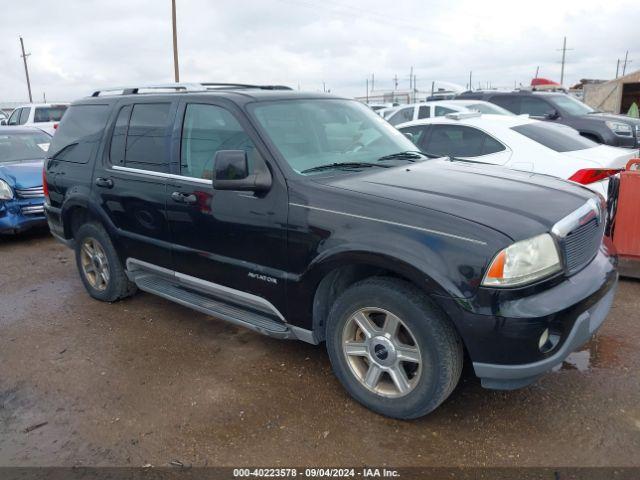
608 128
307 216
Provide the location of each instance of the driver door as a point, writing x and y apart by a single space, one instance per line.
229 238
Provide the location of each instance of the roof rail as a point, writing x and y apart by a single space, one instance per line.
183 87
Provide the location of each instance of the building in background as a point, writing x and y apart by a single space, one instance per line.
614 96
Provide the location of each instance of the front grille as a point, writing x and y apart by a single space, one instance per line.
581 244
32 209
34 192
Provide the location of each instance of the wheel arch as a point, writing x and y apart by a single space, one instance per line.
329 278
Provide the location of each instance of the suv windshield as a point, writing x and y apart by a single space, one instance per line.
314 133
15 147
571 105
555 137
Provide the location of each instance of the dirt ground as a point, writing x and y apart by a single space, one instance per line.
146 381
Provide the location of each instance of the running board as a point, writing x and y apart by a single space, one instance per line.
166 285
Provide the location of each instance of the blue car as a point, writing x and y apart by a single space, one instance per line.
22 153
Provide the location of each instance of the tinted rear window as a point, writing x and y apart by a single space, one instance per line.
79 133
557 138
147 137
49 114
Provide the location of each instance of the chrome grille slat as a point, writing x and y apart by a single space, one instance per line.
34 192
32 209
581 244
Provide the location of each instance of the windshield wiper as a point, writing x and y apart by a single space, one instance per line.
329 166
409 155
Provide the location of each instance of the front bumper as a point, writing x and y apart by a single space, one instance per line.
501 329
508 377
19 215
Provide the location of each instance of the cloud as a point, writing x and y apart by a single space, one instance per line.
79 46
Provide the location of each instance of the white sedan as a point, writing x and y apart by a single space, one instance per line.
438 108
520 143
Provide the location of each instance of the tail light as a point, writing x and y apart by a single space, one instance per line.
45 187
55 126
591 175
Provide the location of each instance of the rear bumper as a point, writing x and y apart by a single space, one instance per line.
507 377
19 215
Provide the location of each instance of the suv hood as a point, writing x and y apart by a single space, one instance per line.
517 204
24 174
612 117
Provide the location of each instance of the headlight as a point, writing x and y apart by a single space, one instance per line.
619 128
5 191
523 262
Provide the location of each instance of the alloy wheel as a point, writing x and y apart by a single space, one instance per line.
382 352
95 265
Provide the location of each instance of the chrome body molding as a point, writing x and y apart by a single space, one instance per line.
150 173
389 222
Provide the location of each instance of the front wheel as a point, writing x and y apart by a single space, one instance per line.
392 349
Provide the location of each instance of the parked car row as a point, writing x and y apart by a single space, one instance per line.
309 217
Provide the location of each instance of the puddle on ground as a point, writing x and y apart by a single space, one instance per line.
600 352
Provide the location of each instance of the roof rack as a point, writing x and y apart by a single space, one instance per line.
462 115
183 87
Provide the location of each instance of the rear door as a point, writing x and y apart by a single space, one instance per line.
228 238
130 183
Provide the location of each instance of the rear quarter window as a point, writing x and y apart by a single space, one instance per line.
49 114
79 133
560 139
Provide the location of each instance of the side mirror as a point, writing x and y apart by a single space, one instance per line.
231 172
552 114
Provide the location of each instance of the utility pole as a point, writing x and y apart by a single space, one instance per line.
537 71
176 70
470 78
26 70
564 53
411 79
395 82
367 90
324 87
617 68
624 65
373 79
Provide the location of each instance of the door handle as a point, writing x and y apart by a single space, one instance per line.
104 182
182 197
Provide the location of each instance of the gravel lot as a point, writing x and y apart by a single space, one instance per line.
146 381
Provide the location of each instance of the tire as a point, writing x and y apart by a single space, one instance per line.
110 287
425 335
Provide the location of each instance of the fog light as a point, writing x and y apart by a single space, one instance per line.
544 338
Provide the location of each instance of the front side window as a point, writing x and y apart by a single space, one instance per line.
460 141
315 133
535 107
508 102
147 143
417 132
555 137
442 111
401 116
79 133
15 147
24 115
206 130
49 114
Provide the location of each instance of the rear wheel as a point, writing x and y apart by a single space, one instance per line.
99 265
392 349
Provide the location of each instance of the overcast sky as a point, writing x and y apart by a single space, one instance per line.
80 45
